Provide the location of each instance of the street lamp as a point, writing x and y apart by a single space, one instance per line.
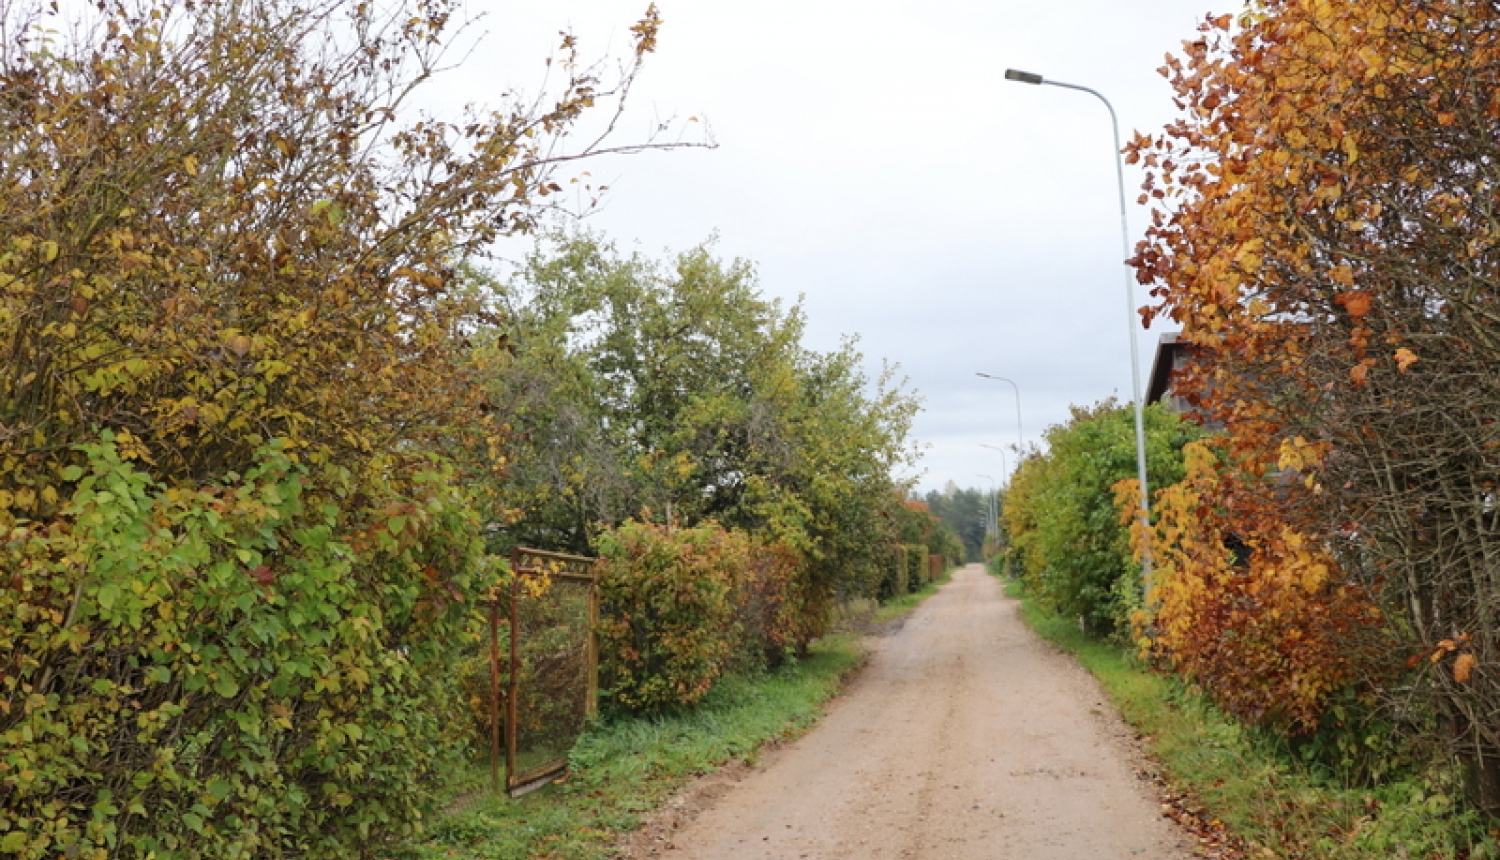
1004 465
1019 443
994 492
993 526
1135 365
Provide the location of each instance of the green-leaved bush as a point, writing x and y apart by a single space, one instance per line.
234 671
668 628
1064 529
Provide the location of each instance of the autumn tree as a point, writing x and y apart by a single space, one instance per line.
237 544
1259 615
1327 242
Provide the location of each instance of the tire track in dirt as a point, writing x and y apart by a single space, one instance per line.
964 737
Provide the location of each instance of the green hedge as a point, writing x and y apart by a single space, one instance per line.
894 578
234 671
916 567
680 607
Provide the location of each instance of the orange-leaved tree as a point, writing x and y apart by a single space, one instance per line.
1257 614
1327 242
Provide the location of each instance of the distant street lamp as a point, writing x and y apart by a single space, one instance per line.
995 492
1004 465
1135 365
1019 443
992 527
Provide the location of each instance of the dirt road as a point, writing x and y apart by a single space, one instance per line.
965 737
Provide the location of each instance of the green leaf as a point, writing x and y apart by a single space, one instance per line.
226 687
13 842
109 594
72 473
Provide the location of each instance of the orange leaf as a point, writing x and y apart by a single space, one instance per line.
1440 650
1358 373
1356 302
1463 667
1405 358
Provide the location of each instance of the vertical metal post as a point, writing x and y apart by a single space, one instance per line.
495 693
512 707
593 642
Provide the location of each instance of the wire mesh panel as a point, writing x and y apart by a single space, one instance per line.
553 677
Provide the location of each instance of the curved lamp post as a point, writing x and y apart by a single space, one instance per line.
1019 444
1004 464
1135 367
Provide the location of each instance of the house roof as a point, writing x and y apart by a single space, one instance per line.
1168 350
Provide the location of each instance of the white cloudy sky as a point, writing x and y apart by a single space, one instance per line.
873 160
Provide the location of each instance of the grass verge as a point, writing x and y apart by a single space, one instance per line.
624 768
1246 778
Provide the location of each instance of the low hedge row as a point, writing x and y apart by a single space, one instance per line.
681 606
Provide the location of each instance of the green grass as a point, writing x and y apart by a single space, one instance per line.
1246 778
624 768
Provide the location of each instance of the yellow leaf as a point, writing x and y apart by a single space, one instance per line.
190 164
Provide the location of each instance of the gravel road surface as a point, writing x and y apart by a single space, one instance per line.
965 737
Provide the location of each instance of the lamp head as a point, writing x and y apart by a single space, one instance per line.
1023 77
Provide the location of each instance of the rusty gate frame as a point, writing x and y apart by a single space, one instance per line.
562 567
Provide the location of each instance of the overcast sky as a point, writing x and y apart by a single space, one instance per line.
872 159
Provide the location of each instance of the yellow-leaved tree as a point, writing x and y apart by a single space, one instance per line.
235 406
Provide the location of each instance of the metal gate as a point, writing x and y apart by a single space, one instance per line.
552 682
